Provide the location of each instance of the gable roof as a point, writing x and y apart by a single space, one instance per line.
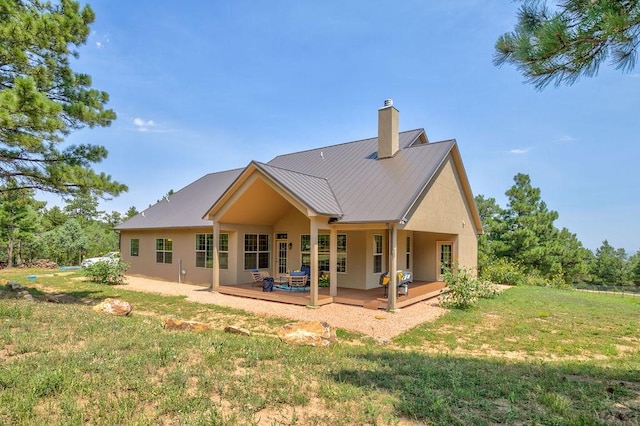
315 192
368 189
184 208
344 181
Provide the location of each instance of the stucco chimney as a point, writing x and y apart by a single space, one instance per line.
388 138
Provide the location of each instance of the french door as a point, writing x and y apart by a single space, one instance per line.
282 257
445 257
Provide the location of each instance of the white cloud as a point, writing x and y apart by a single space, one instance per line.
99 44
142 125
520 151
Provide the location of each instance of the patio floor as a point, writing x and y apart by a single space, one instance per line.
371 299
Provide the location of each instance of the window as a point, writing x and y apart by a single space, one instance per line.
324 249
323 252
305 250
342 253
377 253
408 251
164 250
204 251
256 251
223 251
135 247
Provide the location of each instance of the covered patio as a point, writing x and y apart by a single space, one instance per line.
370 299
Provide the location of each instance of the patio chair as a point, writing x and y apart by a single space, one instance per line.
258 277
404 278
297 279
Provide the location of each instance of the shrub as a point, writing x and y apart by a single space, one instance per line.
504 271
106 272
465 289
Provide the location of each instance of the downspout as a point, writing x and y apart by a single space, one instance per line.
179 271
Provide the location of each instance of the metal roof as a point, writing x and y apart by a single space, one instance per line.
185 207
346 181
368 189
313 191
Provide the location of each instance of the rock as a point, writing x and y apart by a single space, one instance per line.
14 286
313 333
235 329
171 323
114 307
51 298
26 295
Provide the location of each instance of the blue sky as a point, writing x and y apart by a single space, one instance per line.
203 86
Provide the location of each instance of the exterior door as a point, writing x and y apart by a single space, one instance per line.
445 257
282 257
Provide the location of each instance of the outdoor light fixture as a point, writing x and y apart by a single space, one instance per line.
290 246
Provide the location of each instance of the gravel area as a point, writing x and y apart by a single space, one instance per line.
381 325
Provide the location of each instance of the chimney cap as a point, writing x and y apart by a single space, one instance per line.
388 102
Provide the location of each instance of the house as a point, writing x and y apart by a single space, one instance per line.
353 210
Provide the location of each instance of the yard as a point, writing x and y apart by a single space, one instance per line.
531 355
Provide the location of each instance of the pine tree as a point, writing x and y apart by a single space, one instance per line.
610 266
42 99
19 219
561 43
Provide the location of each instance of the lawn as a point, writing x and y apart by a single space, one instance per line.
530 356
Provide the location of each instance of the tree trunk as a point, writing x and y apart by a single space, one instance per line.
10 252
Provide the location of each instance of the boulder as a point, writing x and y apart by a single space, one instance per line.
114 307
308 333
172 323
14 286
236 329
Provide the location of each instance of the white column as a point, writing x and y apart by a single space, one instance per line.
313 234
393 267
333 262
216 258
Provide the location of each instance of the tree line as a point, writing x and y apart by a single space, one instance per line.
521 244
29 231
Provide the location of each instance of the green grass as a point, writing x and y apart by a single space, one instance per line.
529 356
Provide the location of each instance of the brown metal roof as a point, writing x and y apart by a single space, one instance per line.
368 189
314 192
345 181
185 207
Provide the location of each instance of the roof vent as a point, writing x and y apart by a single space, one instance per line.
388 102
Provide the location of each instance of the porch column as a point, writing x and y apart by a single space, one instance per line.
333 262
313 235
393 267
216 259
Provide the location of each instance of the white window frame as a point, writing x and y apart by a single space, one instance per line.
207 249
378 253
260 249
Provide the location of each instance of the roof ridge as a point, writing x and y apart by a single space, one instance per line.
420 129
292 171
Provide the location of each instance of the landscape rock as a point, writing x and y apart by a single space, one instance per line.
114 307
172 323
308 333
40 264
51 298
235 329
15 286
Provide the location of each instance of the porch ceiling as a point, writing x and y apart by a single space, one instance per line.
258 204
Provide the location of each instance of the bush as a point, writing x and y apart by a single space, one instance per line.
504 271
465 289
106 272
